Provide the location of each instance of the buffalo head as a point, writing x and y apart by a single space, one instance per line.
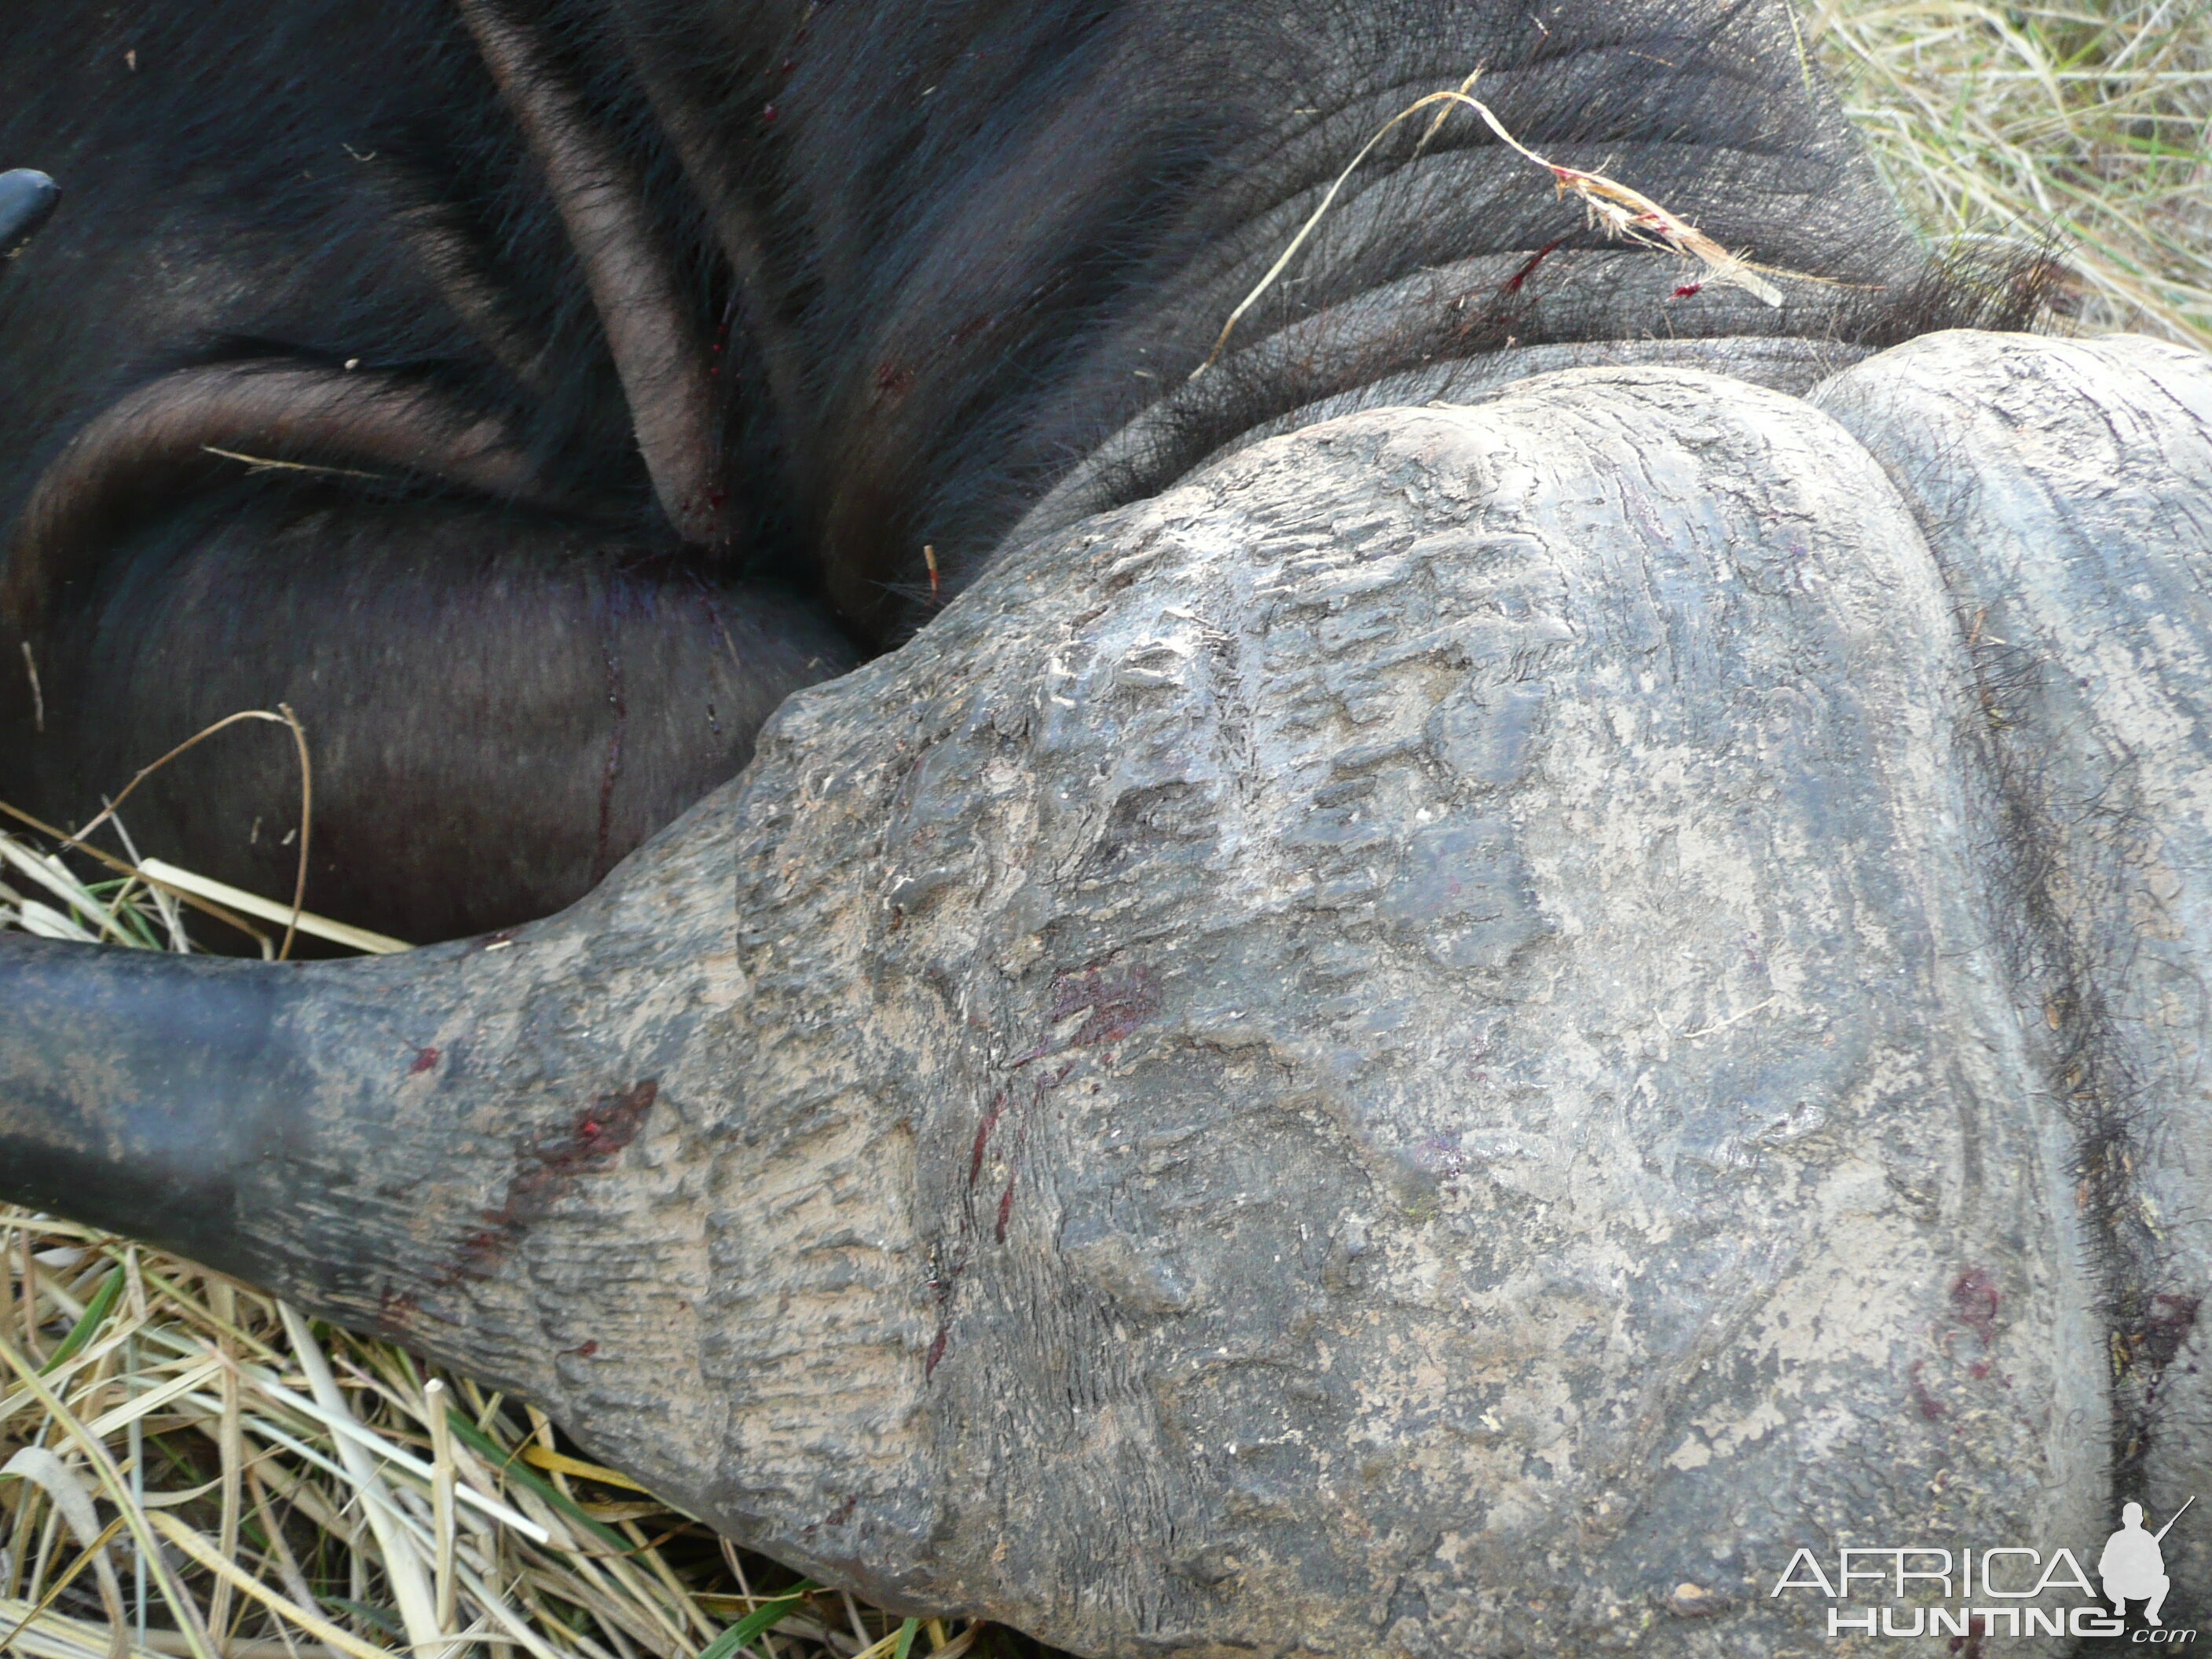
1481 985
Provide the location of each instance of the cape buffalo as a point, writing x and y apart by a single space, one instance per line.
534 410
1526 955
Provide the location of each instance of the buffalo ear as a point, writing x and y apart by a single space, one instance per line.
28 199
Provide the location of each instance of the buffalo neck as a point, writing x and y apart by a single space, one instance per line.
999 233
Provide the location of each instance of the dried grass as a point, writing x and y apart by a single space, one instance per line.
274 1491
2090 123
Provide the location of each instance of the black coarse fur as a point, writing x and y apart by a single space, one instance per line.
942 249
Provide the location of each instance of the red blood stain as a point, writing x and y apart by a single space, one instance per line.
546 1171
768 115
936 1352
1043 1086
1512 285
600 1133
1974 1300
479 1253
1118 1003
983 1135
1689 288
585 1351
424 1060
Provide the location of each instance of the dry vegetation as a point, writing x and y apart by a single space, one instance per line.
2090 123
199 1472
191 1470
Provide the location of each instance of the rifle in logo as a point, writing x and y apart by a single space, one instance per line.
2133 1567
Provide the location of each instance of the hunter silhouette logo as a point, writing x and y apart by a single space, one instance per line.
2133 1567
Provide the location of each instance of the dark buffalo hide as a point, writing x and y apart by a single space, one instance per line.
531 395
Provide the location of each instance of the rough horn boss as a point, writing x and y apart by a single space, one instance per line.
1399 1041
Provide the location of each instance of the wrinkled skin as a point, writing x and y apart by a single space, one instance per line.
646 344
1491 973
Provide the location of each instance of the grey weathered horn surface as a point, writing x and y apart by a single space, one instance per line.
1439 1040
2065 487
